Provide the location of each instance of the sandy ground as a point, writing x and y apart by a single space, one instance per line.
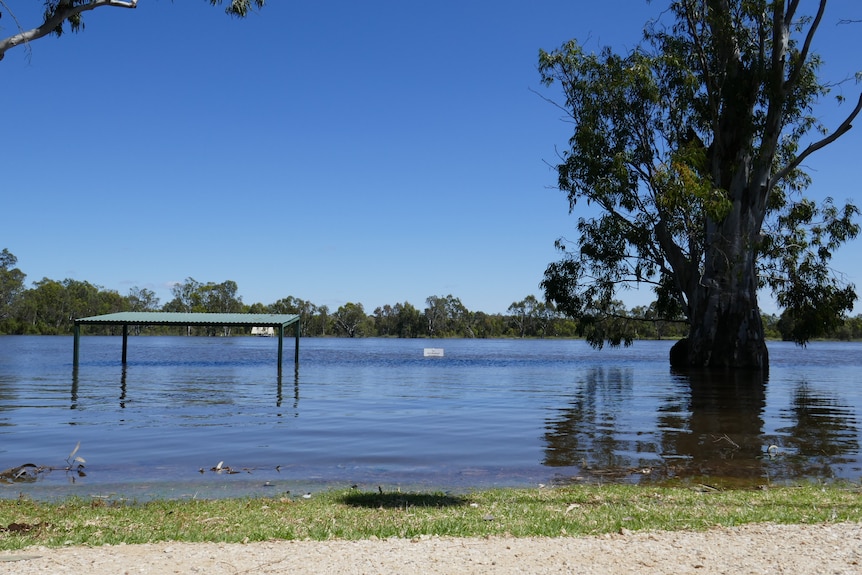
773 549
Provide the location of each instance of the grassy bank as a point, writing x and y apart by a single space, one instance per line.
353 514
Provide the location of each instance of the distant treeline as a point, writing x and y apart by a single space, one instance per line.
50 307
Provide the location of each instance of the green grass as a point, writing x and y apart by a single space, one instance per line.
352 514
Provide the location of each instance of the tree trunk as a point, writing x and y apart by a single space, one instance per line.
726 330
728 334
725 327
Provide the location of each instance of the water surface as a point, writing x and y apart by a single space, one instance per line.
371 412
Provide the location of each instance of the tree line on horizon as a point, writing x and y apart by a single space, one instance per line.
49 307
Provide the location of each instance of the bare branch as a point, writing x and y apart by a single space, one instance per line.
806 47
64 11
842 129
551 101
17 23
792 5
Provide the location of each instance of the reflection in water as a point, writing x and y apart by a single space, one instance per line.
823 432
489 413
587 433
279 397
123 389
721 431
705 425
7 395
205 394
74 400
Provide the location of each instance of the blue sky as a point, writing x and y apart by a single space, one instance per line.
334 151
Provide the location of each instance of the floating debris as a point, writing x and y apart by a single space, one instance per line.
22 473
31 472
79 460
220 467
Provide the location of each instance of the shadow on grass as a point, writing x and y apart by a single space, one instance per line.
396 500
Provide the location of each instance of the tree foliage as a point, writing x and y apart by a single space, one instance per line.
689 147
350 319
51 306
11 283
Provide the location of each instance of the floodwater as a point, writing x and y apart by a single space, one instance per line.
213 417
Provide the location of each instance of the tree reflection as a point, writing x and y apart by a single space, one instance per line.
587 433
705 424
720 432
702 425
823 432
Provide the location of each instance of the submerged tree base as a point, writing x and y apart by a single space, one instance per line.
752 356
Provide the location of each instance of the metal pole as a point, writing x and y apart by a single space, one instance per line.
280 344
77 332
296 349
125 340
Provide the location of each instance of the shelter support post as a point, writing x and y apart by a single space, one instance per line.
77 332
125 341
296 347
280 345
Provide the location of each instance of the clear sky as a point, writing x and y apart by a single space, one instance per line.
337 151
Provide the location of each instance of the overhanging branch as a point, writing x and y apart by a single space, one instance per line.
64 11
842 129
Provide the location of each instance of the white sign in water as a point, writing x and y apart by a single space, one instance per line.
433 352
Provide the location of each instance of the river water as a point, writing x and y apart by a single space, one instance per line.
213 417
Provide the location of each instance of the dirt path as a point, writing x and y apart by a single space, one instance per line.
772 549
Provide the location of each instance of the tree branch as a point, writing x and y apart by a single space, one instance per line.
704 62
15 18
64 11
842 129
792 5
806 47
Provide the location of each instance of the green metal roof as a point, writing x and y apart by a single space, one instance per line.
174 318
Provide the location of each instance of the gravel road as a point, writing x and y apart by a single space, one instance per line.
761 548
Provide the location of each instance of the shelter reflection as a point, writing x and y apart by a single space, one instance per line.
74 398
123 388
195 391
279 398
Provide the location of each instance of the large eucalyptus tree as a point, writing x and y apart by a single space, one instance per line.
60 13
690 147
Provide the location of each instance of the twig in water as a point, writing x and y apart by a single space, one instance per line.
727 439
